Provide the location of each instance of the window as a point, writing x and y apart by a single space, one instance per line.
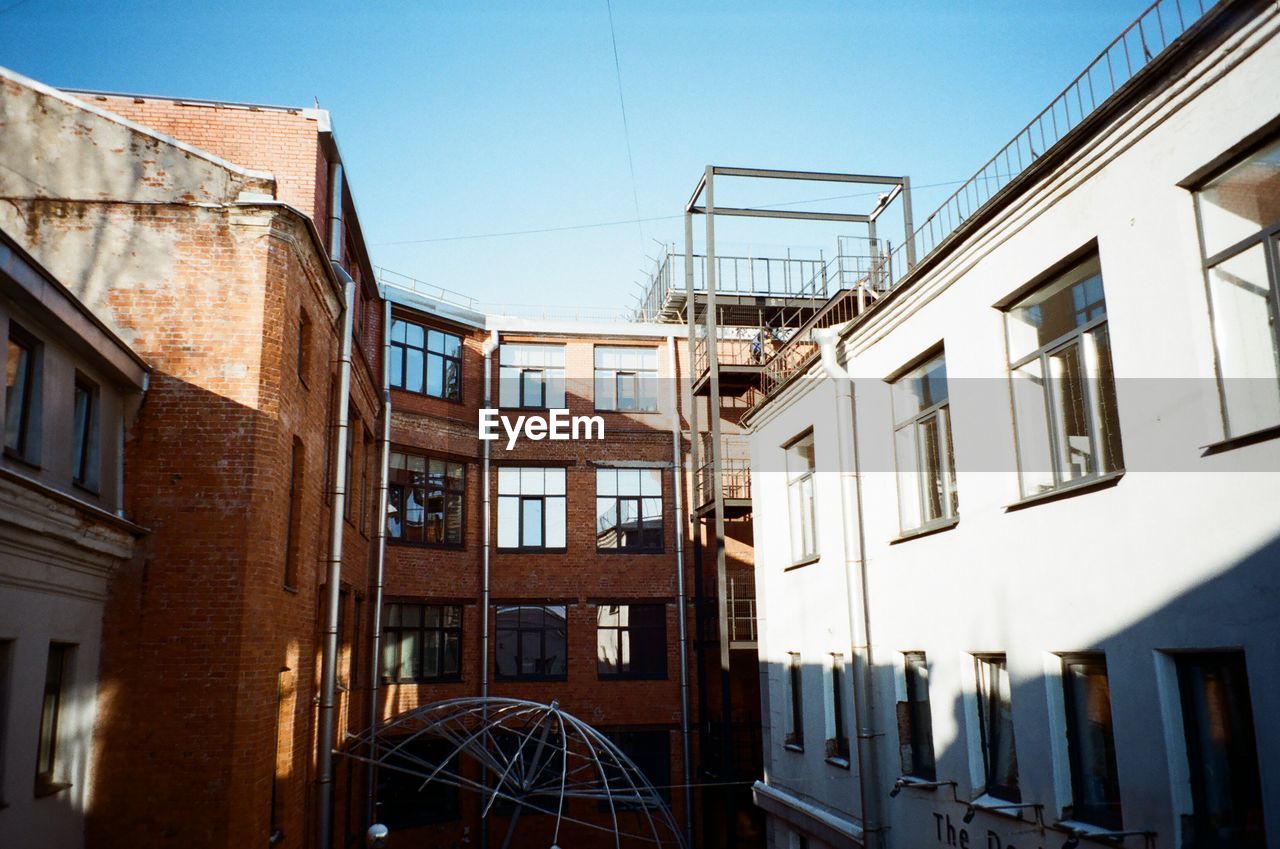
795 695
1240 225
293 520
304 346
995 724
532 641
1064 396
353 422
1091 750
922 444
915 719
1222 755
366 479
531 376
422 642
20 394
631 641
650 751
531 508
84 435
405 800
837 735
800 467
629 509
627 379
57 671
426 361
424 499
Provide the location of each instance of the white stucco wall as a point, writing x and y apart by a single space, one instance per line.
1173 556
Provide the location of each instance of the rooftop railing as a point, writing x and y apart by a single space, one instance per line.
1159 26
542 312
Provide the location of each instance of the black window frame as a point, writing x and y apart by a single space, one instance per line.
918 759
390 659
22 449
546 375
85 460
1107 816
59 666
521 498
645 629
644 526
837 745
546 625
450 494
399 353
794 738
636 376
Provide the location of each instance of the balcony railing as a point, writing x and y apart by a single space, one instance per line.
1158 27
735 480
741 603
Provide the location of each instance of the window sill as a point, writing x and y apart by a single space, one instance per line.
915 782
456 546
415 392
926 530
654 677
10 454
1244 439
517 678
631 551
50 788
1069 490
807 562
842 763
1084 829
793 747
91 489
1002 807
289 588
414 682
532 550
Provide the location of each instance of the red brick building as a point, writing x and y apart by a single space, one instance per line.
584 564
199 233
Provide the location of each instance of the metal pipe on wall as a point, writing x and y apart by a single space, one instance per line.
868 736
490 345
381 554
329 640
678 482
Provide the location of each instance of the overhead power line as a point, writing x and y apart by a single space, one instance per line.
626 130
636 220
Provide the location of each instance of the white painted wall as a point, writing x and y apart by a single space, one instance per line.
1174 556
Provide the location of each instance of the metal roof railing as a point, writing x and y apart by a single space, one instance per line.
1158 27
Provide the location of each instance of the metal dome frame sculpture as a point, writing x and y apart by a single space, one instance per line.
534 756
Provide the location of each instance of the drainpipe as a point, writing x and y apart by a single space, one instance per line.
490 345
380 564
678 479
329 644
859 605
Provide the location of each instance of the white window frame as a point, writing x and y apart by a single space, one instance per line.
520 486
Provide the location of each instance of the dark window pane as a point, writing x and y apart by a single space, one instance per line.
995 719
1095 784
1222 755
915 719
17 395
405 798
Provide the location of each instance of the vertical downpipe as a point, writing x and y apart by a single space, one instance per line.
678 479
486 532
329 645
859 604
333 577
375 718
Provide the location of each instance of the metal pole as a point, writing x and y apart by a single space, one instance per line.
699 635
677 484
908 223
380 565
717 494
329 643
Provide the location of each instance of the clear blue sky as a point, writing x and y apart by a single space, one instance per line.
458 119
